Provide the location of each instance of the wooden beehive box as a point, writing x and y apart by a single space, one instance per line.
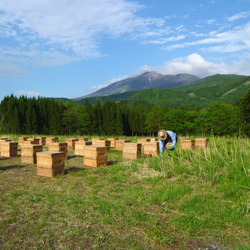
112 141
71 143
153 139
83 139
22 139
102 142
201 143
50 163
59 147
151 148
49 140
9 149
131 150
42 140
95 156
119 144
79 147
187 144
94 140
142 141
29 151
3 140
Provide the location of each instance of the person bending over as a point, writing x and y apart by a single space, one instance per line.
167 140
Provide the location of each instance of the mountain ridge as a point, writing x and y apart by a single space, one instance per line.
147 80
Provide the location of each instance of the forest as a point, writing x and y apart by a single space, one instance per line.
23 115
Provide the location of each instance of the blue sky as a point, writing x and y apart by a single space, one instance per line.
69 48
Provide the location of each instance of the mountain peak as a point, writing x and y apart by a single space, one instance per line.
147 80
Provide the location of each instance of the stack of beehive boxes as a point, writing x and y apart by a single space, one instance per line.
79 147
50 163
29 151
83 139
49 140
131 150
95 156
151 148
2 140
59 147
30 141
119 144
201 143
187 144
71 143
142 141
102 142
42 140
9 149
22 139
112 142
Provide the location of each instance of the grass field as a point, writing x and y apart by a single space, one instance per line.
179 200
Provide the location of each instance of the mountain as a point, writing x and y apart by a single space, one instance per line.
146 80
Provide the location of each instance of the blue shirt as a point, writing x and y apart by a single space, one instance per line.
171 138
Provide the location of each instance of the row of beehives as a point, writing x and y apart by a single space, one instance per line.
51 162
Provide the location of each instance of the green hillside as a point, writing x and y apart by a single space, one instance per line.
114 97
207 91
202 93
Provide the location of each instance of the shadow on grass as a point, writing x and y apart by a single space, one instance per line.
72 156
112 163
11 167
74 170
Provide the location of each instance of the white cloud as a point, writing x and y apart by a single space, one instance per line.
195 64
229 41
240 15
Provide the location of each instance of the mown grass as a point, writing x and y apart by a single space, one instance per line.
178 200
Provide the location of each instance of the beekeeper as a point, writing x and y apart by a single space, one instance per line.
167 140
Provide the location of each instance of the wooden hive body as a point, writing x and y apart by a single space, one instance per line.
142 141
95 156
151 148
102 142
79 147
131 150
119 144
22 139
201 143
94 140
29 151
9 149
83 139
112 141
71 143
49 140
3 140
50 163
187 144
59 147
42 140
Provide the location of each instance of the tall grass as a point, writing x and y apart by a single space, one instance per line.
178 200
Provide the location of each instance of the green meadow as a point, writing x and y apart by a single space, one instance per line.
183 199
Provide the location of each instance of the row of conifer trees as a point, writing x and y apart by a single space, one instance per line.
45 116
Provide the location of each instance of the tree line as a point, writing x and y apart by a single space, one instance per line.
49 117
